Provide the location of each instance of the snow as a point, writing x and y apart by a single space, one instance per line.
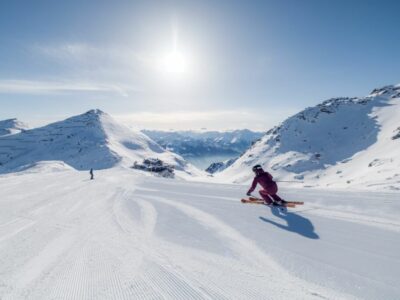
129 236
91 140
340 143
11 126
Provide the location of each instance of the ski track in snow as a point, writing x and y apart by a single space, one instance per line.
123 236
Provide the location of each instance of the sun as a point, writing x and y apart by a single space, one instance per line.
175 62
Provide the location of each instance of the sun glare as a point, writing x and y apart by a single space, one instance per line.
174 62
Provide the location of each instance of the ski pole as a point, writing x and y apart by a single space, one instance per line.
289 181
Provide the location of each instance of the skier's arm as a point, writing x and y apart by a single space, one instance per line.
253 186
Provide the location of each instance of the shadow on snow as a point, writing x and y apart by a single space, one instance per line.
295 223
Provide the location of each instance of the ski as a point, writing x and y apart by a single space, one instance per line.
259 201
290 202
253 201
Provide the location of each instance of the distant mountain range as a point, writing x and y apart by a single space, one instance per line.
194 145
91 140
341 142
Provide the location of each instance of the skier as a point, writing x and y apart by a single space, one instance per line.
91 174
270 188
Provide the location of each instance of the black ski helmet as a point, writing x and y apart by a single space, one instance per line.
257 168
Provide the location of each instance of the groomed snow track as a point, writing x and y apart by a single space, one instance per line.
126 236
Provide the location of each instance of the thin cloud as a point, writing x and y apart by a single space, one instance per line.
63 50
209 120
87 54
112 63
59 87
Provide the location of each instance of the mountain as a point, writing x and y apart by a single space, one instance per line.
220 166
200 143
91 140
11 126
341 142
205 147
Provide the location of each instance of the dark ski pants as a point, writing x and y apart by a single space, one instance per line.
270 194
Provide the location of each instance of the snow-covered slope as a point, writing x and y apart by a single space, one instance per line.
11 126
339 143
91 140
127 236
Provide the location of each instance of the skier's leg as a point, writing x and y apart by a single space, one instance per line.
264 194
272 191
277 199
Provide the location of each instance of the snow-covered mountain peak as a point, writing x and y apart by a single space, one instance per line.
389 91
340 142
93 115
330 106
90 140
9 121
96 111
12 126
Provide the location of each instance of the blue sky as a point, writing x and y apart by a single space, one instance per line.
236 64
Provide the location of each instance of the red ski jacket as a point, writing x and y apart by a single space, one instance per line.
265 180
